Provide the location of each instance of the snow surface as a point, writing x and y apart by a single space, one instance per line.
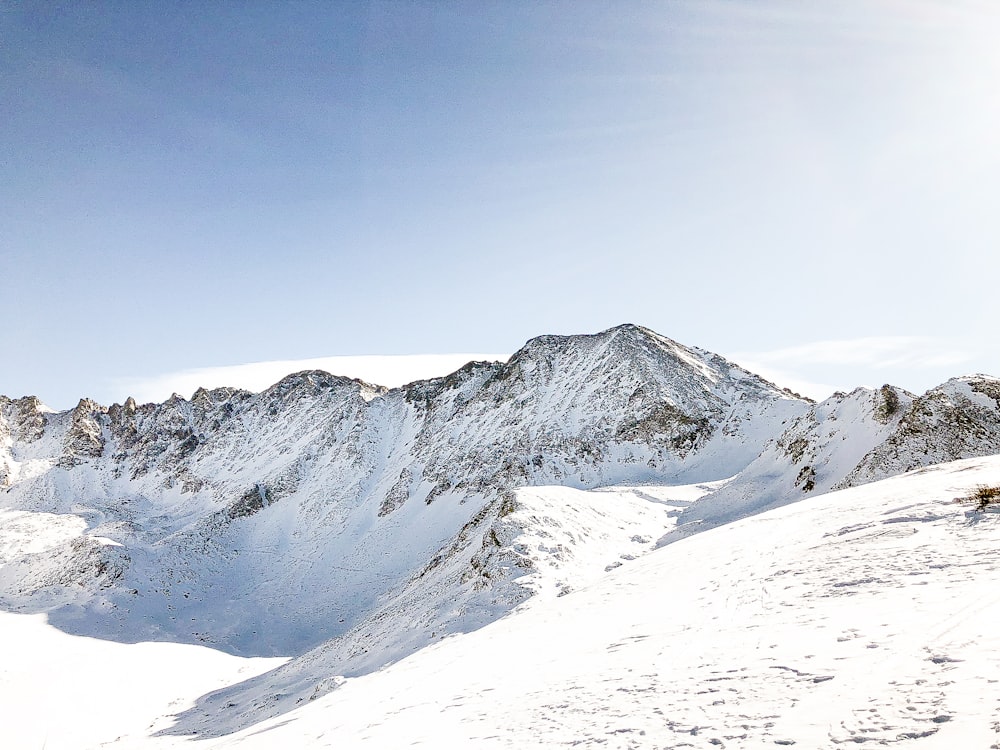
865 615
63 692
815 452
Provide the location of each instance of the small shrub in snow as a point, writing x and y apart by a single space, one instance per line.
985 495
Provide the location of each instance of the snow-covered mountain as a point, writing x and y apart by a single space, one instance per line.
817 451
269 523
349 525
851 439
958 419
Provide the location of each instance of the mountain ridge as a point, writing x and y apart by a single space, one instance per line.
348 524
321 457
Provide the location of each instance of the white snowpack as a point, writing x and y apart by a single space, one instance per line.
860 616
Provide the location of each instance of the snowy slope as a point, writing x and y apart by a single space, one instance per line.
860 616
816 452
547 541
62 692
958 419
851 439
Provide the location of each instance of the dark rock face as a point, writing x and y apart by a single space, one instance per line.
84 438
888 404
22 420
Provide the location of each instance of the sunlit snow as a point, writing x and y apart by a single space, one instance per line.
864 615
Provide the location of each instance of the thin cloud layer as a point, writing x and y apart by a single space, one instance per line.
791 367
872 351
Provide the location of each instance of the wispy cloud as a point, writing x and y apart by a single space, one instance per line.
789 366
872 351
387 370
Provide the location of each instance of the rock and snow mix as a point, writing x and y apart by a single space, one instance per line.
863 615
352 527
860 616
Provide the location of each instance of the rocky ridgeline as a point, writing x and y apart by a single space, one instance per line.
581 410
226 494
958 419
855 438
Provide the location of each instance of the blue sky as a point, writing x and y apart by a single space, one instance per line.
808 186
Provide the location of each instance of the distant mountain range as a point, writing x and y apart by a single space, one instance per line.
348 524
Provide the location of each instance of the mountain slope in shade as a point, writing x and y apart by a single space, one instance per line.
549 541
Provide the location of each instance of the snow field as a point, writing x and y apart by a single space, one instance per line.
865 615
63 692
